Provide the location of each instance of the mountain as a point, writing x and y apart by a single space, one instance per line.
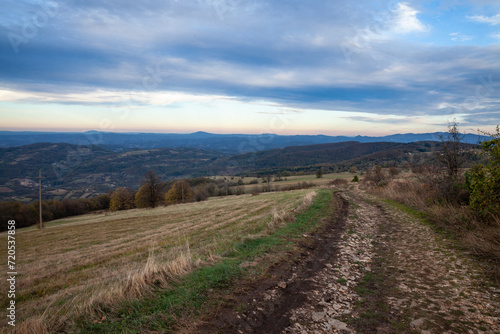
228 143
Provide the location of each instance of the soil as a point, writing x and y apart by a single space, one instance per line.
369 269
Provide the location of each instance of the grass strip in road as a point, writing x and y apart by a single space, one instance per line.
196 293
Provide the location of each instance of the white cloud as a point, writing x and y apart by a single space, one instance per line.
496 36
120 98
459 37
406 20
491 20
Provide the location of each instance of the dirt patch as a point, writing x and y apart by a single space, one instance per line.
371 269
265 305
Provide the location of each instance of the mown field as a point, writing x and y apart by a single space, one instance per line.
292 180
82 264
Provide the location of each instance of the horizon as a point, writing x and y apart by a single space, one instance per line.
229 134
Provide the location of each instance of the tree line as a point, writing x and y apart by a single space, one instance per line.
153 192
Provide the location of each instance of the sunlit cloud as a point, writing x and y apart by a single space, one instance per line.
491 20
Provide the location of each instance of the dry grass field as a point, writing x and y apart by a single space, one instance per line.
82 263
292 180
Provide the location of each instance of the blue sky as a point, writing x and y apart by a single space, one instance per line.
240 66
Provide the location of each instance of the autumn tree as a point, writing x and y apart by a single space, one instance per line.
319 173
149 195
179 193
454 154
484 180
121 199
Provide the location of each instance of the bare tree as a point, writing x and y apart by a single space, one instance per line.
454 153
152 183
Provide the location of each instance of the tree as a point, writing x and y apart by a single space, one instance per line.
353 169
121 199
319 174
393 171
454 154
355 179
484 180
179 193
149 195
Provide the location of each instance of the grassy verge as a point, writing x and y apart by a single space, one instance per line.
196 293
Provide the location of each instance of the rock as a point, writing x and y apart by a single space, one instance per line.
317 316
417 323
282 285
337 324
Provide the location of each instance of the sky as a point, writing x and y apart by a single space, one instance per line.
332 67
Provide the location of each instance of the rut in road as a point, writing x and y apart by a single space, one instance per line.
371 269
268 303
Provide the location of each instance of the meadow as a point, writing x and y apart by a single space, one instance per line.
81 264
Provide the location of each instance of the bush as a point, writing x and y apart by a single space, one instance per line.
483 181
200 193
338 182
179 193
121 199
355 179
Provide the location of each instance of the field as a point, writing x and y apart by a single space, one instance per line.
292 180
80 264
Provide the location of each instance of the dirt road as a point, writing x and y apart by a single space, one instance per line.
371 269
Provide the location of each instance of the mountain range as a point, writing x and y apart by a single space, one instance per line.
226 143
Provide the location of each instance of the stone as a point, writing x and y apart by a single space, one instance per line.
337 324
317 316
417 323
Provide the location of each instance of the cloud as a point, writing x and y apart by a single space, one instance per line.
496 36
459 37
289 53
491 20
406 20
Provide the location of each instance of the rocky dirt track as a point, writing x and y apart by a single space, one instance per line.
371 269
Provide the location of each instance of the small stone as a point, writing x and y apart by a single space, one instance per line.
337 324
317 316
282 285
417 323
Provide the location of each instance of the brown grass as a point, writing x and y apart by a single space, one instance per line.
480 237
86 263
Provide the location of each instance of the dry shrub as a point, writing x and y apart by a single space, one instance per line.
140 282
34 325
279 218
411 193
338 182
306 200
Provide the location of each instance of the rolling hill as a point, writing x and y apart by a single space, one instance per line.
228 143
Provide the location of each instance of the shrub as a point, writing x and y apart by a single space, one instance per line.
483 181
200 193
355 179
339 182
121 199
179 193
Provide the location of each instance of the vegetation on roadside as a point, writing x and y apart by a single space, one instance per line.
465 203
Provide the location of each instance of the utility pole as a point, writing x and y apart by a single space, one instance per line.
40 195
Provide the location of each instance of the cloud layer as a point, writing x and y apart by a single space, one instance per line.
375 57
